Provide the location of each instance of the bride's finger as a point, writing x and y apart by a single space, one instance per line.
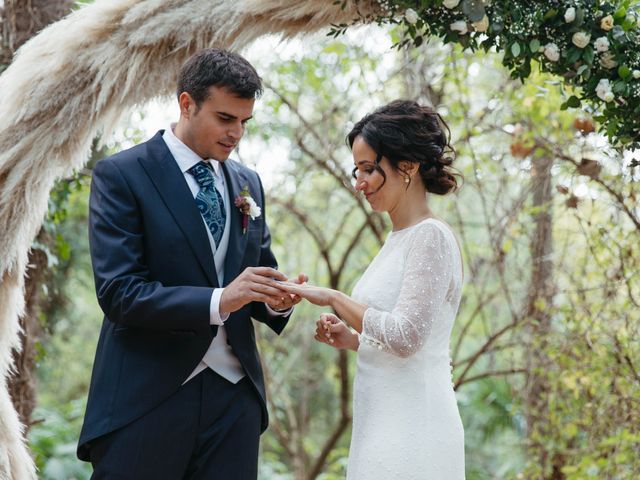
330 318
292 288
320 338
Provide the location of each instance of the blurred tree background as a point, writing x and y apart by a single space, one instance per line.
546 348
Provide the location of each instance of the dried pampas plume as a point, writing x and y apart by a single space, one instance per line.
74 79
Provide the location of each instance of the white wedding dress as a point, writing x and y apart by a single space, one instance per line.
406 424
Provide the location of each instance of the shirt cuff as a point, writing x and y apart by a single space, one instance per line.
281 313
215 316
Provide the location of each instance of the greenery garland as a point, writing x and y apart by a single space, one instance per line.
594 45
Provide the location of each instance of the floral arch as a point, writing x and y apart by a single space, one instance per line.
76 77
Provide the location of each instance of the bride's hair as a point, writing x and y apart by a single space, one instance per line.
403 130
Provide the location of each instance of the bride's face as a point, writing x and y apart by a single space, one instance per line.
383 196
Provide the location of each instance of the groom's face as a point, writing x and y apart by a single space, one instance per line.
214 129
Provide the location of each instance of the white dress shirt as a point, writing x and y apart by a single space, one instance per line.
219 357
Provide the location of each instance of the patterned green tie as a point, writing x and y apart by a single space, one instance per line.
209 200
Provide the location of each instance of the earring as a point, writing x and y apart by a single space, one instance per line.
406 179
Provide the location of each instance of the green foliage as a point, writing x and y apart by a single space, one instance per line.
593 45
54 441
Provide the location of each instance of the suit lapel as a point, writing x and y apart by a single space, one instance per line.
169 181
237 239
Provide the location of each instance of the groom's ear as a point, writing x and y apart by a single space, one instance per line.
188 106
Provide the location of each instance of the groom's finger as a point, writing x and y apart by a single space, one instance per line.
268 272
266 290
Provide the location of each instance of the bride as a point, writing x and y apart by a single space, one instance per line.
399 318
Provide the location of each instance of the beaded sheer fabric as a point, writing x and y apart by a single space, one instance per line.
406 423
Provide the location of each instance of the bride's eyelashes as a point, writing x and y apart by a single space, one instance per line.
355 171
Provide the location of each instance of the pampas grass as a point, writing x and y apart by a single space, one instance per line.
74 80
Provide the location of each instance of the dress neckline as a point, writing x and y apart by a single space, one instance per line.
410 227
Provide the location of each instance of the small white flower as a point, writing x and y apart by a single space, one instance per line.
608 61
603 88
570 15
254 209
552 52
606 23
601 44
581 39
636 74
608 97
451 3
482 25
411 16
459 26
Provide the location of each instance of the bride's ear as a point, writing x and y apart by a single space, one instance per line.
408 168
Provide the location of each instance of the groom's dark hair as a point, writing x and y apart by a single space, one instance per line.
214 67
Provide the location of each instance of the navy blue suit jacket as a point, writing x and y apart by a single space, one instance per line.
155 273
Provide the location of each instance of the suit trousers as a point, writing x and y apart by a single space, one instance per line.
209 429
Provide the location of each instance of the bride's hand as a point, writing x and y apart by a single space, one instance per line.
317 295
333 331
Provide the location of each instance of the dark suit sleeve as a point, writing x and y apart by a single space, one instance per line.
126 293
259 310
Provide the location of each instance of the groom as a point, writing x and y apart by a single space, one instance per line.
182 262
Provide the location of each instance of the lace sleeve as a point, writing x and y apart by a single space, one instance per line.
426 281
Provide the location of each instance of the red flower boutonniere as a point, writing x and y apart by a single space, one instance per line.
248 207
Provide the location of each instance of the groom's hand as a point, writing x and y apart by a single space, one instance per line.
254 284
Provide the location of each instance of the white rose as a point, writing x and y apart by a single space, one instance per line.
603 88
411 16
601 44
459 26
482 25
607 60
636 74
254 209
608 97
552 52
570 15
451 3
606 23
581 39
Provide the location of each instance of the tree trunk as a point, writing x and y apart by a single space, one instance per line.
539 305
19 21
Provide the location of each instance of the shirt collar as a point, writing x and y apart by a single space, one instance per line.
184 156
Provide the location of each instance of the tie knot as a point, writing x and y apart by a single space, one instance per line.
203 174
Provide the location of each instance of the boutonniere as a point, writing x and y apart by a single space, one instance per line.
248 207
